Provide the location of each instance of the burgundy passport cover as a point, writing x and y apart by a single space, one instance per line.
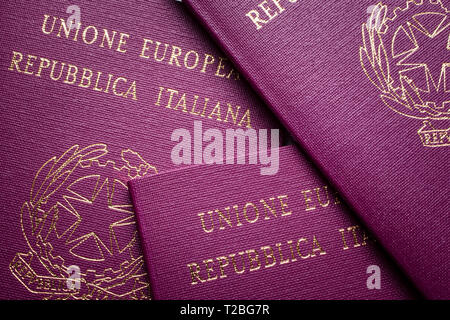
227 232
85 110
364 89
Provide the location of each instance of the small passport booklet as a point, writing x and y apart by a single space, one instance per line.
364 88
91 94
228 232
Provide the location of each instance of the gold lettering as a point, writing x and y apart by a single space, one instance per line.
236 210
267 10
268 256
245 118
209 269
171 93
254 16
194 270
46 16
280 251
63 25
42 66
253 258
109 40
209 59
353 230
16 59
223 217
316 247
176 52
115 86
87 75
344 242
30 62
211 228
161 89
255 209
298 248
268 208
223 262
131 90
71 72
284 206
220 67
122 41
216 112
182 103
96 87
327 202
234 262
95 35
291 249
186 59
233 115
53 69
166 46
145 48
308 200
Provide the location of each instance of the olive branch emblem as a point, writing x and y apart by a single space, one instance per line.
374 56
55 172
44 271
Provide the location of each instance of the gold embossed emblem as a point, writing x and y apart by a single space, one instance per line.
79 215
405 54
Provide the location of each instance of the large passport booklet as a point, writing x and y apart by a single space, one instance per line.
91 94
364 89
227 232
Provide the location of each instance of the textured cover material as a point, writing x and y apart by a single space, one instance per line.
364 89
248 236
71 139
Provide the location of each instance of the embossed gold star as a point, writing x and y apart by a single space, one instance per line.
432 52
97 217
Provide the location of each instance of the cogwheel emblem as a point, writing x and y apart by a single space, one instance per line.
79 214
405 53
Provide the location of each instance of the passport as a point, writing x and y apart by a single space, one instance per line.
227 232
90 97
364 90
